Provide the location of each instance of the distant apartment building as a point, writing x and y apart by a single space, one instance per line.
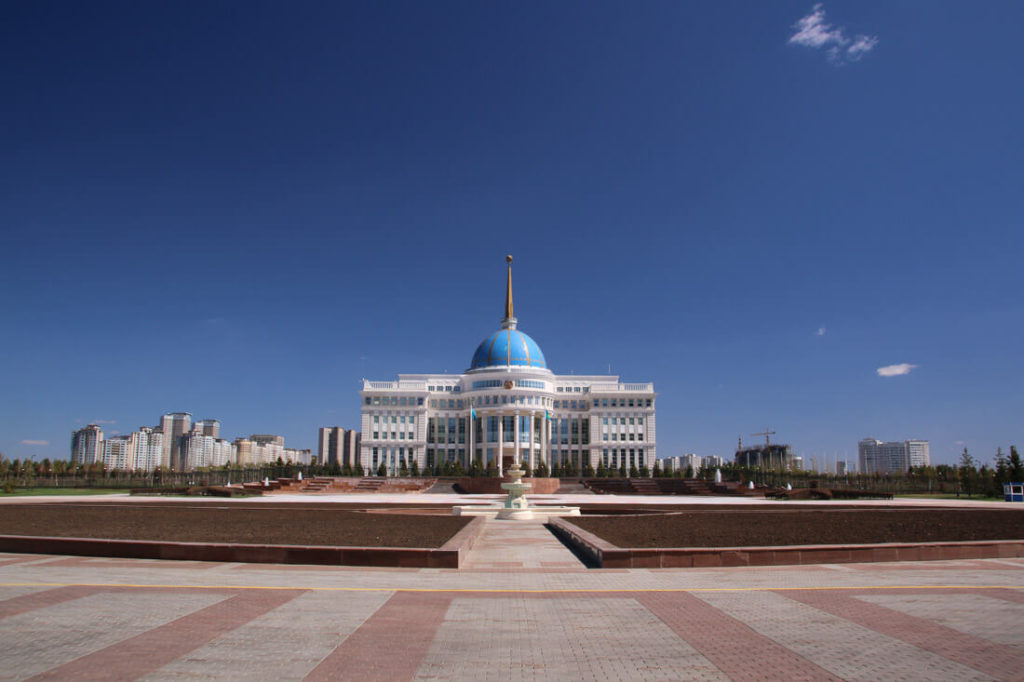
682 462
714 462
199 450
149 448
842 468
876 457
139 450
338 446
207 427
119 453
263 448
87 445
174 425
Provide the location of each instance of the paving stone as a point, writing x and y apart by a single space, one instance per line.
848 650
41 639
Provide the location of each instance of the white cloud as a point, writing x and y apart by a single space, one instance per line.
821 331
895 370
34 442
861 46
812 31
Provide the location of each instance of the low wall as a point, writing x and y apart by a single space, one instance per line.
489 485
606 555
450 555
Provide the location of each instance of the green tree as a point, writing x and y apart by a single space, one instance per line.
382 470
967 472
1015 466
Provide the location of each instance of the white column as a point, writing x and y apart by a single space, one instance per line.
545 442
517 458
533 463
501 441
469 441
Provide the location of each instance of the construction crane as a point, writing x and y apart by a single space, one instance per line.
767 433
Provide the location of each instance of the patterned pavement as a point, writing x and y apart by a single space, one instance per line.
523 608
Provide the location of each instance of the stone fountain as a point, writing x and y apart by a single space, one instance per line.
515 507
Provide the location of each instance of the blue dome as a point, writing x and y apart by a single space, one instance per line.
508 347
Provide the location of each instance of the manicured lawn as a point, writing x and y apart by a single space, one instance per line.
25 492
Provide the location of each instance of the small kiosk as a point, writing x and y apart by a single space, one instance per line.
1013 492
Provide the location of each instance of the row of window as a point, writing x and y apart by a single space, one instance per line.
619 459
395 435
445 389
622 420
395 419
621 436
402 401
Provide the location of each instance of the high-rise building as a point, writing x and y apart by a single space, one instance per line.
174 425
329 450
149 448
119 452
508 406
877 457
197 450
87 445
208 427
338 446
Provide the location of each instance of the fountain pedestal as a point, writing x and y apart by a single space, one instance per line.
516 507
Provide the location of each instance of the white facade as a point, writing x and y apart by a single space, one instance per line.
507 407
682 462
149 448
877 457
87 445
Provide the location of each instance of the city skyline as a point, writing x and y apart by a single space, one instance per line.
797 216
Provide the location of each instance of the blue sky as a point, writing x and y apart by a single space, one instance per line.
241 209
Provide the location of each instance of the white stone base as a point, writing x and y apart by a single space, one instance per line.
515 514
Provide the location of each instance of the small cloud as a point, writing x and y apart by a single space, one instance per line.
34 442
959 442
103 421
861 46
895 370
821 331
812 31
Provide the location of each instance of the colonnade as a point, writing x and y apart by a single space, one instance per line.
545 438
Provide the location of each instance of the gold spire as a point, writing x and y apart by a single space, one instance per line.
508 290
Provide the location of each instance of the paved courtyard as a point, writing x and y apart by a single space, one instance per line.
523 608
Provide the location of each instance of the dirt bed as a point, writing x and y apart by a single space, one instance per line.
805 527
262 525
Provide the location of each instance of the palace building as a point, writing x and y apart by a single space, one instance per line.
508 406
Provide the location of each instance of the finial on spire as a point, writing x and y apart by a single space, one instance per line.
509 321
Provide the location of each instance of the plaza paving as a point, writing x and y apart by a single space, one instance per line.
522 608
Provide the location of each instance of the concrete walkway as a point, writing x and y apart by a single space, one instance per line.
81 618
520 545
